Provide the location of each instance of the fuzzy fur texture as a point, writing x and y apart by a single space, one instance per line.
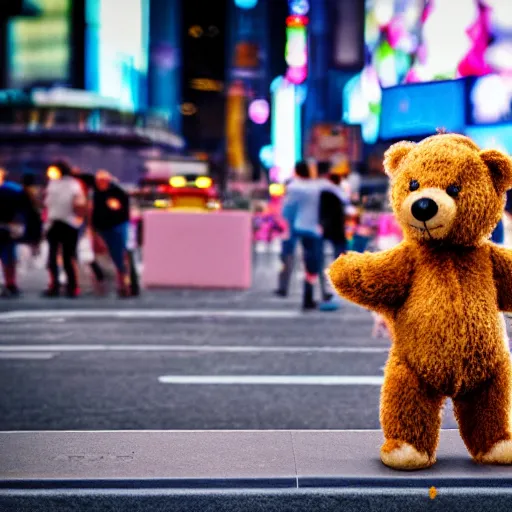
440 292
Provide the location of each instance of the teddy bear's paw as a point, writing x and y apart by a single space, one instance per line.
500 453
401 455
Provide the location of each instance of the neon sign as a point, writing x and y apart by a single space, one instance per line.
286 131
296 52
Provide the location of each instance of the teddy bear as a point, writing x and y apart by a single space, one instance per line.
441 291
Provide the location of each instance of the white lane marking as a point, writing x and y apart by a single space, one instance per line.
37 336
145 313
287 380
199 433
191 348
6 355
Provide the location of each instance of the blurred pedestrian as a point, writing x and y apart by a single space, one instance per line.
12 210
301 210
332 220
110 220
289 239
66 208
87 239
34 224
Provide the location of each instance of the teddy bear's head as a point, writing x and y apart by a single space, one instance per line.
445 188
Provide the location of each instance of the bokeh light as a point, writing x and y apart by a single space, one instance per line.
301 93
259 111
53 173
203 182
275 84
300 7
178 182
296 75
491 99
246 4
267 156
276 189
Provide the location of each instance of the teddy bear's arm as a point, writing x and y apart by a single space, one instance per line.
378 281
502 269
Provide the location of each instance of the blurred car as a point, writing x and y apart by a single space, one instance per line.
180 192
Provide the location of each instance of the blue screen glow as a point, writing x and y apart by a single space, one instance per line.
420 109
492 137
117 50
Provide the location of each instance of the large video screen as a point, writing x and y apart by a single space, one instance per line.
39 47
117 49
411 41
492 137
420 109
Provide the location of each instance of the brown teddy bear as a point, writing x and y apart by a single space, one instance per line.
441 291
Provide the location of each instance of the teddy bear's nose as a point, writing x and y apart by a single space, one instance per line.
424 209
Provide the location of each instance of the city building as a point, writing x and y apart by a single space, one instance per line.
78 82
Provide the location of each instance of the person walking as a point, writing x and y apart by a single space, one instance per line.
301 206
12 213
333 203
289 239
110 220
87 239
66 208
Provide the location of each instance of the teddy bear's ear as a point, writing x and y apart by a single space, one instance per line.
395 154
500 166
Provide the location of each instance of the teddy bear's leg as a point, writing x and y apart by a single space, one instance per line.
410 415
484 418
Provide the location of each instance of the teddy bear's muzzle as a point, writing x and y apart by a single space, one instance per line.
428 213
424 209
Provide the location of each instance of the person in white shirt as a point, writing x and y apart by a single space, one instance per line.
66 207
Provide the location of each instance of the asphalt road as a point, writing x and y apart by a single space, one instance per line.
187 360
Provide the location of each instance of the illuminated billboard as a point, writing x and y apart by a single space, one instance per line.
39 47
286 130
411 41
117 49
420 109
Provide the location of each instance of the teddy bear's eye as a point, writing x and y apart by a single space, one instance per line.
453 190
414 185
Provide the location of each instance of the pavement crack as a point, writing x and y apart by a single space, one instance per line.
295 461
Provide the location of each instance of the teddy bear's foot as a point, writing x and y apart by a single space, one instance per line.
500 453
401 455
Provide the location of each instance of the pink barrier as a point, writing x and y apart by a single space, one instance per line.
197 250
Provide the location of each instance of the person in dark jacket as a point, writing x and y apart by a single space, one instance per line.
12 219
332 220
34 224
110 220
